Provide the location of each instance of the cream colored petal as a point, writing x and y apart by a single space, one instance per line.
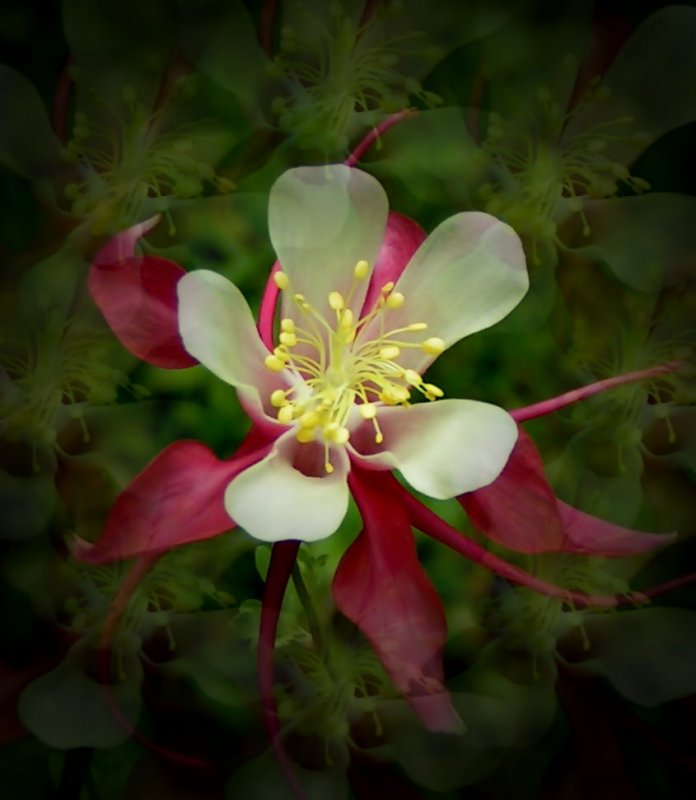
322 221
217 328
442 449
467 275
274 500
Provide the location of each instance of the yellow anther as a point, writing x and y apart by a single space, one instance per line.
361 270
286 414
395 300
433 346
336 301
281 353
287 325
367 410
288 339
432 391
310 419
274 363
281 280
394 394
299 297
305 435
379 437
389 353
388 286
278 398
412 377
347 318
333 432
328 466
418 326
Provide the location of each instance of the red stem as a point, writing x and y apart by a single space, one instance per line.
669 586
375 133
428 522
555 403
283 557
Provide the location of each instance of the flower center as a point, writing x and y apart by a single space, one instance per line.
334 368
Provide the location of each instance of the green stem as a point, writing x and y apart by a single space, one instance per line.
308 606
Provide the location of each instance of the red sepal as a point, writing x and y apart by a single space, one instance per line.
138 297
381 587
518 510
176 499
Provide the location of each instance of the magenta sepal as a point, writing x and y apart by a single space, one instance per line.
138 297
381 587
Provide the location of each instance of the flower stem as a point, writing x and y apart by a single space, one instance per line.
308 606
283 557
566 399
375 133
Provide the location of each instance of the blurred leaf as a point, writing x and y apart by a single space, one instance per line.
649 655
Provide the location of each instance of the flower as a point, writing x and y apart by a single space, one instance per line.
338 387
313 439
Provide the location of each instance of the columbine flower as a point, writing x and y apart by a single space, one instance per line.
339 386
330 399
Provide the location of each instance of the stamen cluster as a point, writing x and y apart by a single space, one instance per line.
334 369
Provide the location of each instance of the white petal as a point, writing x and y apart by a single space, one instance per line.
217 328
467 275
444 448
322 221
274 501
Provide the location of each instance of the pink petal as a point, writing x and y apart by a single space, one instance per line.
402 238
137 296
268 308
518 510
381 587
176 499
593 536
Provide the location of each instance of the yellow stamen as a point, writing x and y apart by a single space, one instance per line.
288 339
361 270
274 363
286 414
281 280
389 353
305 435
336 301
395 300
433 346
335 373
368 410
412 377
278 399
